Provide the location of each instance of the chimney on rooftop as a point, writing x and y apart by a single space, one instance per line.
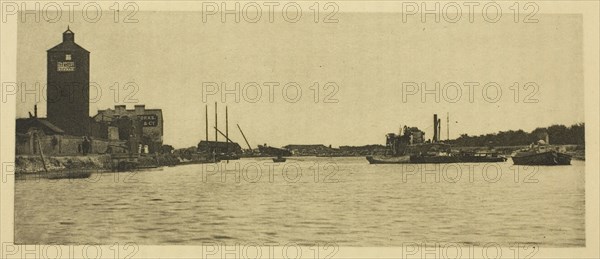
140 108
120 108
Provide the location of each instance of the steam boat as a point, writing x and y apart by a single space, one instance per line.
410 147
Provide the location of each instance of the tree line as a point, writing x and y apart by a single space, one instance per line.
557 134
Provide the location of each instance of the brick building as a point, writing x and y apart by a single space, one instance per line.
142 125
68 86
68 122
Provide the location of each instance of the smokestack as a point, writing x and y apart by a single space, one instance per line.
439 130
435 128
35 111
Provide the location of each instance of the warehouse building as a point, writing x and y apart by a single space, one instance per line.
142 125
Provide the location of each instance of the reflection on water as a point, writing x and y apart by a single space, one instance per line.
312 200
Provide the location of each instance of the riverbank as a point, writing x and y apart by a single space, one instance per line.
56 165
30 164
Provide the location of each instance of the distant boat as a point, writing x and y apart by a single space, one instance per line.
54 175
476 157
69 175
388 159
414 159
434 159
268 150
279 159
231 156
537 156
541 153
410 147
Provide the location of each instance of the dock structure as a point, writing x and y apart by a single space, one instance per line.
218 147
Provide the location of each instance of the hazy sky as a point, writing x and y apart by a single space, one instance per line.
170 54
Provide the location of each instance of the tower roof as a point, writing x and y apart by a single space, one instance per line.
68 43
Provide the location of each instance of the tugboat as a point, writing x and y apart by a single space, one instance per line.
541 154
409 147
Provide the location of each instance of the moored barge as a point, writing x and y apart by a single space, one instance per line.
541 154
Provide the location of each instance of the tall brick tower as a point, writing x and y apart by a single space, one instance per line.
68 86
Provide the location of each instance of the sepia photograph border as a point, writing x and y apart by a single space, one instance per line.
590 11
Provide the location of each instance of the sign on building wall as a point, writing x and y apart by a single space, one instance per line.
66 66
149 120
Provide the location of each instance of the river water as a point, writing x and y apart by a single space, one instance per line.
309 200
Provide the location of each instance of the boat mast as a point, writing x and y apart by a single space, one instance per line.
226 130
448 126
238 125
223 135
216 136
206 122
